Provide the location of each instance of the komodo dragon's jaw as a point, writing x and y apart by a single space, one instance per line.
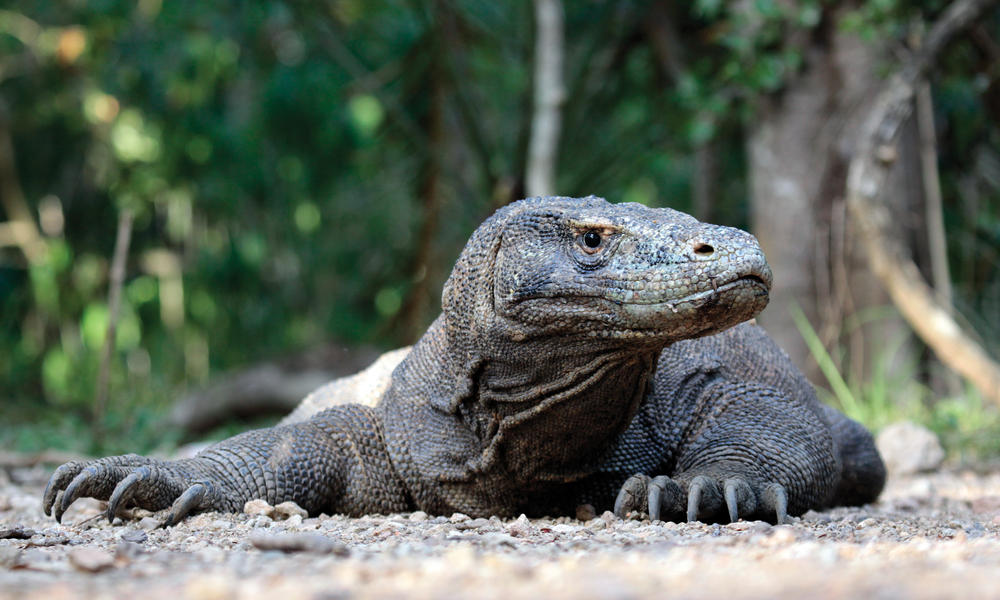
586 268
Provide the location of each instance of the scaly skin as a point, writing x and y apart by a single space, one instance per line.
578 358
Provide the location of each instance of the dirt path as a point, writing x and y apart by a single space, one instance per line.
930 536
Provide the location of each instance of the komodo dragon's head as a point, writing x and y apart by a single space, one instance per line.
572 268
566 302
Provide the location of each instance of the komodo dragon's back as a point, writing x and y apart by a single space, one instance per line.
586 352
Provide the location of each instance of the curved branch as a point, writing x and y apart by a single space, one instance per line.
887 255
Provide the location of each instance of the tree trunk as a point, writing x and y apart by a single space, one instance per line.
546 121
798 152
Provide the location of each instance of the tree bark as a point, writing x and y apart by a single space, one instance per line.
549 95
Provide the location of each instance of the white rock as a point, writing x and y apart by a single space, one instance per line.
909 448
258 507
522 527
287 510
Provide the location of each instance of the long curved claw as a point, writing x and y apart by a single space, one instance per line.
775 500
77 488
124 491
655 491
694 495
57 483
703 497
664 493
740 499
631 495
186 502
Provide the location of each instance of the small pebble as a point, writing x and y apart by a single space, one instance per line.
473 524
585 512
16 533
126 550
258 507
90 559
261 521
136 536
286 510
9 556
521 528
315 543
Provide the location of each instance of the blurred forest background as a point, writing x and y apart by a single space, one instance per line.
294 180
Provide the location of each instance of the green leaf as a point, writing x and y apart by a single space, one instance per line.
708 9
307 217
388 301
366 114
133 139
56 371
809 15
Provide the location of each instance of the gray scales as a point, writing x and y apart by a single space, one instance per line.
587 353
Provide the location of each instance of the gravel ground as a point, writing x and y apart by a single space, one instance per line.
930 536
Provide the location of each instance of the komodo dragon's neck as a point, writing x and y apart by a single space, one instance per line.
545 409
527 412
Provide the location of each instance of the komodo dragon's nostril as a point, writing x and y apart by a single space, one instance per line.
703 249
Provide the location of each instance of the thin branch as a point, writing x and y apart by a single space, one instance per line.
887 256
941 278
117 278
549 95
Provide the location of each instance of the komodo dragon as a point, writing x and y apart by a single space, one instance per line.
587 352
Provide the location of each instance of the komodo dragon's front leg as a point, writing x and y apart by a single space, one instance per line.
757 455
335 462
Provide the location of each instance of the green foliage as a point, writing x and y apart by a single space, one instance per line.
282 159
968 428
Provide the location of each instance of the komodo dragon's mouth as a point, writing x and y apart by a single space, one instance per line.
749 281
747 292
758 281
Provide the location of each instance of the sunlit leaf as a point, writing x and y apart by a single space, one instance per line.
366 113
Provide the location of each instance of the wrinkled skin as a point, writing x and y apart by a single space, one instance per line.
586 353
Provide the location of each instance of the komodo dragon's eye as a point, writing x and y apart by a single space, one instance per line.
595 240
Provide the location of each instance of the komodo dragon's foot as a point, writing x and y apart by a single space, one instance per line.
133 480
705 499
